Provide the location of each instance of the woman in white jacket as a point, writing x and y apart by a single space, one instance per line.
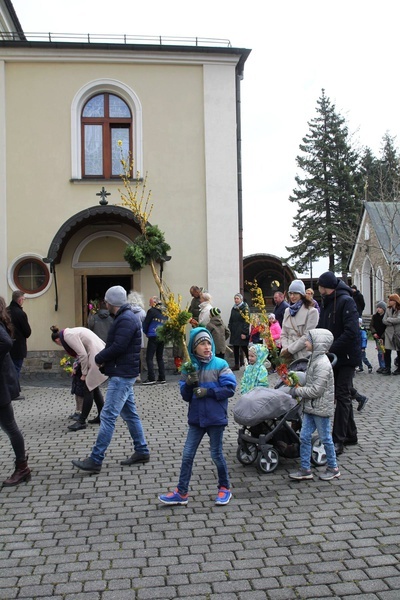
83 344
299 318
205 307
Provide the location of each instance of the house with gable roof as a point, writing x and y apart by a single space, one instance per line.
375 261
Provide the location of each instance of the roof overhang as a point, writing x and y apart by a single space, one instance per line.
94 215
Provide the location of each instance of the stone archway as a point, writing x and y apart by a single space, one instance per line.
271 273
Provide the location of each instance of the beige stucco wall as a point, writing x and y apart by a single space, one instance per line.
189 153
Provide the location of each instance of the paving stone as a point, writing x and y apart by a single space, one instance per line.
67 535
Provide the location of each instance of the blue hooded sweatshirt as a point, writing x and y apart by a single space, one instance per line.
217 378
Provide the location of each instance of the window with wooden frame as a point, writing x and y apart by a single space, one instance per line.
106 120
31 275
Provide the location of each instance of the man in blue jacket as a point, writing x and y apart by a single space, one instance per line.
120 361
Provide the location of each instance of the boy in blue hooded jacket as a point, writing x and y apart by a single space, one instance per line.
207 391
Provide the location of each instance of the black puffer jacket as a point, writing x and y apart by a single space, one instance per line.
340 316
22 330
9 386
121 354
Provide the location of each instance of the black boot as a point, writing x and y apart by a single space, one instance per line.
22 473
77 425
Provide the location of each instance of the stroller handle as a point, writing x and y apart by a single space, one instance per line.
332 357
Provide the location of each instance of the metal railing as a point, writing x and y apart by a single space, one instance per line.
100 38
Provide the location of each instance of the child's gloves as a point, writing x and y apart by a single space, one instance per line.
200 392
293 393
192 379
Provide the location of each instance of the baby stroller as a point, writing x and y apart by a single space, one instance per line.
271 421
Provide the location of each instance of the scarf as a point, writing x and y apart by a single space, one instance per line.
294 308
67 348
204 359
239 306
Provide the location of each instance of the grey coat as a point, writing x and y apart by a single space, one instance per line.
391 319
318 391
220 333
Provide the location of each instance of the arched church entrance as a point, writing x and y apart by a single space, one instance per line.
86 258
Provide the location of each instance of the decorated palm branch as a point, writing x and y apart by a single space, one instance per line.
289 378
150 248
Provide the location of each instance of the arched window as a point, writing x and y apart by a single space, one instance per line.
357 279
379 285
94 134
106 128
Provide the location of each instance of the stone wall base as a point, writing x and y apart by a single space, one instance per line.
48 361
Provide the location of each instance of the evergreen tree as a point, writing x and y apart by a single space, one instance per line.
389 174
370 169
328 192
382 175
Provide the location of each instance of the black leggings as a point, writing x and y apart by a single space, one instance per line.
88 398
237 353
9 425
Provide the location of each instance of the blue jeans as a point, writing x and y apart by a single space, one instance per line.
323 426
364 359
119 401
194 437
381 356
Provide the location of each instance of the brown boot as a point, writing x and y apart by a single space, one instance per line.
22 473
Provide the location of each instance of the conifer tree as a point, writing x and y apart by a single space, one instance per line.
328 191
382 175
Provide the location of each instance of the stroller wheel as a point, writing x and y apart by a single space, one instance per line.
246 453
318 454
268 464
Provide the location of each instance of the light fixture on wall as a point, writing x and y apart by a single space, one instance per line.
163 260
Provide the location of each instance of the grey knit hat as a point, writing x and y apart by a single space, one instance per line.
297 287
382 305
116 296
200 337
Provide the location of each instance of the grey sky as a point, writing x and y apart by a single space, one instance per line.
298 47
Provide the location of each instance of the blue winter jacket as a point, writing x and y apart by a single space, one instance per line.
364 338
220 382
154 319
121 354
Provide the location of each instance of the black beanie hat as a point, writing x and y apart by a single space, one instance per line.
328 280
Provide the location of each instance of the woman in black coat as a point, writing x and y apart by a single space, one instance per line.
239 326
9 390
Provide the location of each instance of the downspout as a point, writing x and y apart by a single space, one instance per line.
239 77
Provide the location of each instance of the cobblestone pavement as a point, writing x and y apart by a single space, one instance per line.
69 535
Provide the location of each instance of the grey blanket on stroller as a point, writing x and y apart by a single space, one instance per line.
261 404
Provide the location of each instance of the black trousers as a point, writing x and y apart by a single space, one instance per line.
388 358
154 347
344 425
237 353
9 425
